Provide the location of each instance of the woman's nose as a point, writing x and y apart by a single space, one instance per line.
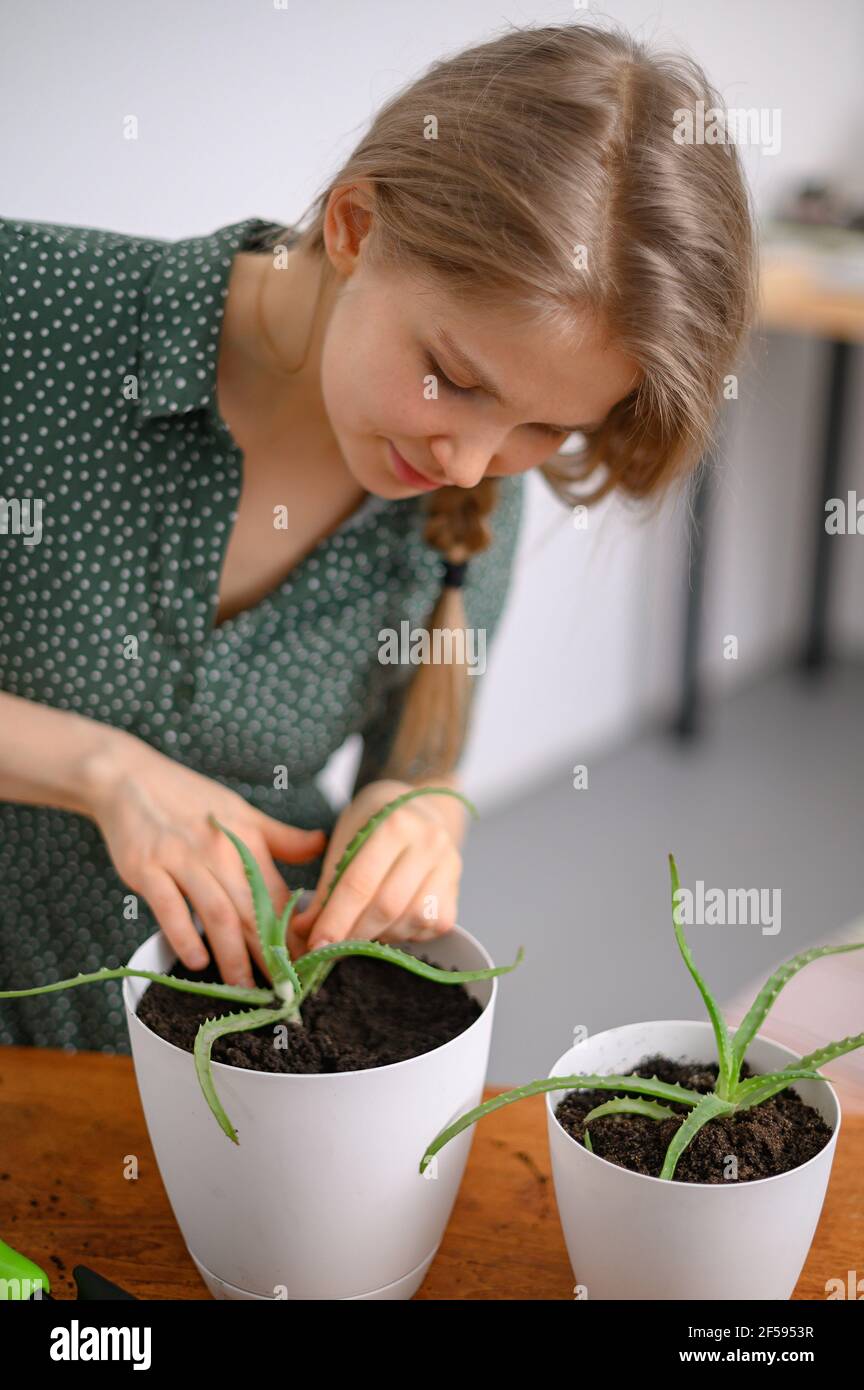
465 465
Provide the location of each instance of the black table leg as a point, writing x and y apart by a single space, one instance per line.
815 654
686 721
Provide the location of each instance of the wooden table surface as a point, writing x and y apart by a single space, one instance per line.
794 300
72 1127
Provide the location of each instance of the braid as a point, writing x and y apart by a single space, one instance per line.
457 519
434 722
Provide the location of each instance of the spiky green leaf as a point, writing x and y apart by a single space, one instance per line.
709 1107
236 993
309 965
727 1072
830 1051
755 1016
650 1109
757 1089
644 1085
207 1034
271 929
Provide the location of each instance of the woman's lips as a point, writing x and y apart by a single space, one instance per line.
406 474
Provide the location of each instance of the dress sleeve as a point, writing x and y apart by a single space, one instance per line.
487 585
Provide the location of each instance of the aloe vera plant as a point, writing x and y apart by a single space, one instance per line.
291 981
730 1095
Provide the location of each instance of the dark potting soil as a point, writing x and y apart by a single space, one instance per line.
367 1013
771 1138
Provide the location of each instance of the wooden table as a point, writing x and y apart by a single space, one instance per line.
71 1125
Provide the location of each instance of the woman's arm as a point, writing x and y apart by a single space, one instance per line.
52 757
153 814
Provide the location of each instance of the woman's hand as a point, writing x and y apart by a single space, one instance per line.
152 813
403 883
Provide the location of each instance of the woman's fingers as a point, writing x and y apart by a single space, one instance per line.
222 923
391 899
362 908
431 914
172 913
354 892
288 843
303 922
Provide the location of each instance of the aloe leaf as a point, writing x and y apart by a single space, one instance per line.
802 1070
271 929
207 1034
646 1085
830 1051
651 1109
756 1089
308 965
728 1073
236 993
586 1140
286 915
754 1018
279 963
709 1108
797 1071
265 918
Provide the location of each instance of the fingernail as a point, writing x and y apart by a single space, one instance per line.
198 960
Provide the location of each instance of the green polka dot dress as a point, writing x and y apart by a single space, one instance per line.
108 418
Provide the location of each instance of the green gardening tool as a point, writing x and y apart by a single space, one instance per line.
22 1280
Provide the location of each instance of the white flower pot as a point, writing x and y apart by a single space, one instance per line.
636 1237
322 1198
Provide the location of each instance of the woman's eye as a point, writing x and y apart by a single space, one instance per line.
436 370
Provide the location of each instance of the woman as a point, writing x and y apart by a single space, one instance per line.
252 452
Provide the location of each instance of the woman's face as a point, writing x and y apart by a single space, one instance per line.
395 376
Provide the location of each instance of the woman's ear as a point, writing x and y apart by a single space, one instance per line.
347 222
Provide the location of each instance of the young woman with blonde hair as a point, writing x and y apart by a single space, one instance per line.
260 450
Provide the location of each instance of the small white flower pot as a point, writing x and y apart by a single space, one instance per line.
635 1237
322 1198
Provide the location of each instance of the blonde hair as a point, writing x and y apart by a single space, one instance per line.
550 139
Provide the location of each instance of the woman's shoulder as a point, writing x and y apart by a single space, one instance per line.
65 292
31 249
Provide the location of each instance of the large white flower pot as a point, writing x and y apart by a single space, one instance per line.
322 1198
636 1237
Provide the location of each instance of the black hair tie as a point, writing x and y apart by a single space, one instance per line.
454 575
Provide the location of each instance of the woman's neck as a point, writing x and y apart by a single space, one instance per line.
272 333
268 370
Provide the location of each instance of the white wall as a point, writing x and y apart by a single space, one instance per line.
244 108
